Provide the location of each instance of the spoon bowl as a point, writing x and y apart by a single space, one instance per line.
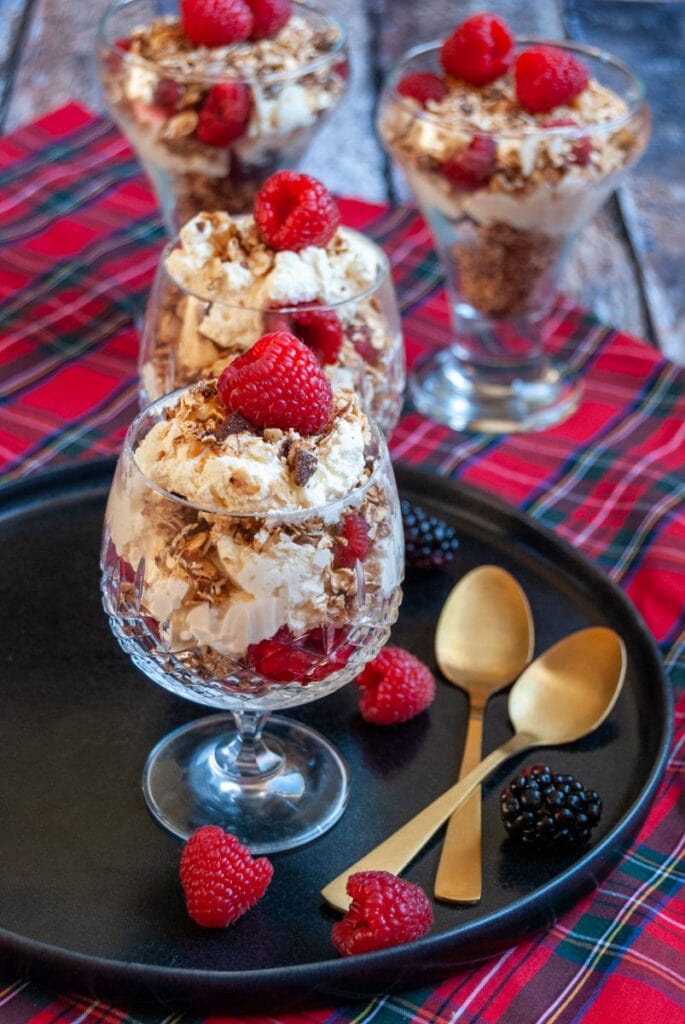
570 689
484 636
563 695
483 640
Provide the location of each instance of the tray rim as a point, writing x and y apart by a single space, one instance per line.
142 984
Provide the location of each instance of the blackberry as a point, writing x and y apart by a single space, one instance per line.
547 810
428 541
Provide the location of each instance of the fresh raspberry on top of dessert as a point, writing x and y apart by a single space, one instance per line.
385 911
216 22
547 76
479 50
395 686
470 167
220 878
278 383
422 86
294 210
269 17
224 113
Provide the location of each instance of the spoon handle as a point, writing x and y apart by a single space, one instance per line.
459 878
394 853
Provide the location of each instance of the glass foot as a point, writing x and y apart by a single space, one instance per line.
497 402
298 792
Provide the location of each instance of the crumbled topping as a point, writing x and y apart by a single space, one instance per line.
528 150
495 107
165 44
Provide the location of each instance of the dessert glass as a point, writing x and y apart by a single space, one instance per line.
156 105
188 336
274 785
502 241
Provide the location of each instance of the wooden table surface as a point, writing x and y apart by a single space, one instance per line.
628 264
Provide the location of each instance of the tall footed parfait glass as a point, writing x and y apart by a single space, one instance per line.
210 123
506 193
249 612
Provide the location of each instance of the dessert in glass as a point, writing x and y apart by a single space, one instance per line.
220 285
213 105
510 146
252 560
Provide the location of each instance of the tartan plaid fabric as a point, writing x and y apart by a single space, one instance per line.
79 239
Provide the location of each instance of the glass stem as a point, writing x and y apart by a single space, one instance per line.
246 755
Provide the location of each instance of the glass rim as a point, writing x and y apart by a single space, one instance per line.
324 511
193 77
301 307
634 103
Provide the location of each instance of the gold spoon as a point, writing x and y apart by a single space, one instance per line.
562 695
484 640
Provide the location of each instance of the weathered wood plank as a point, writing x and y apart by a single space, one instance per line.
56 60
651 38
14 14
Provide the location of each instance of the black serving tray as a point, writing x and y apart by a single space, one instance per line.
89 893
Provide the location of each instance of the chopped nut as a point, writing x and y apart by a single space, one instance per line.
303 465
180 125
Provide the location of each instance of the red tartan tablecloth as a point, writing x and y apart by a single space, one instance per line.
79 240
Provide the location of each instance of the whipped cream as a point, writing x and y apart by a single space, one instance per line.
224 259
251 472
557 209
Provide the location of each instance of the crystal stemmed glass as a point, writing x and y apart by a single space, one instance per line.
247 613
188 335
502 235
157 102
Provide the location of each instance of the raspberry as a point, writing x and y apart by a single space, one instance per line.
320 330
269 17
220 878
546 810
385 911
479 50
278 659
216 22
311 657
352 545
293 210
428 541
224 113
581 145
547 76
278 383
470 167
364 347
395 687
422 86
167 94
